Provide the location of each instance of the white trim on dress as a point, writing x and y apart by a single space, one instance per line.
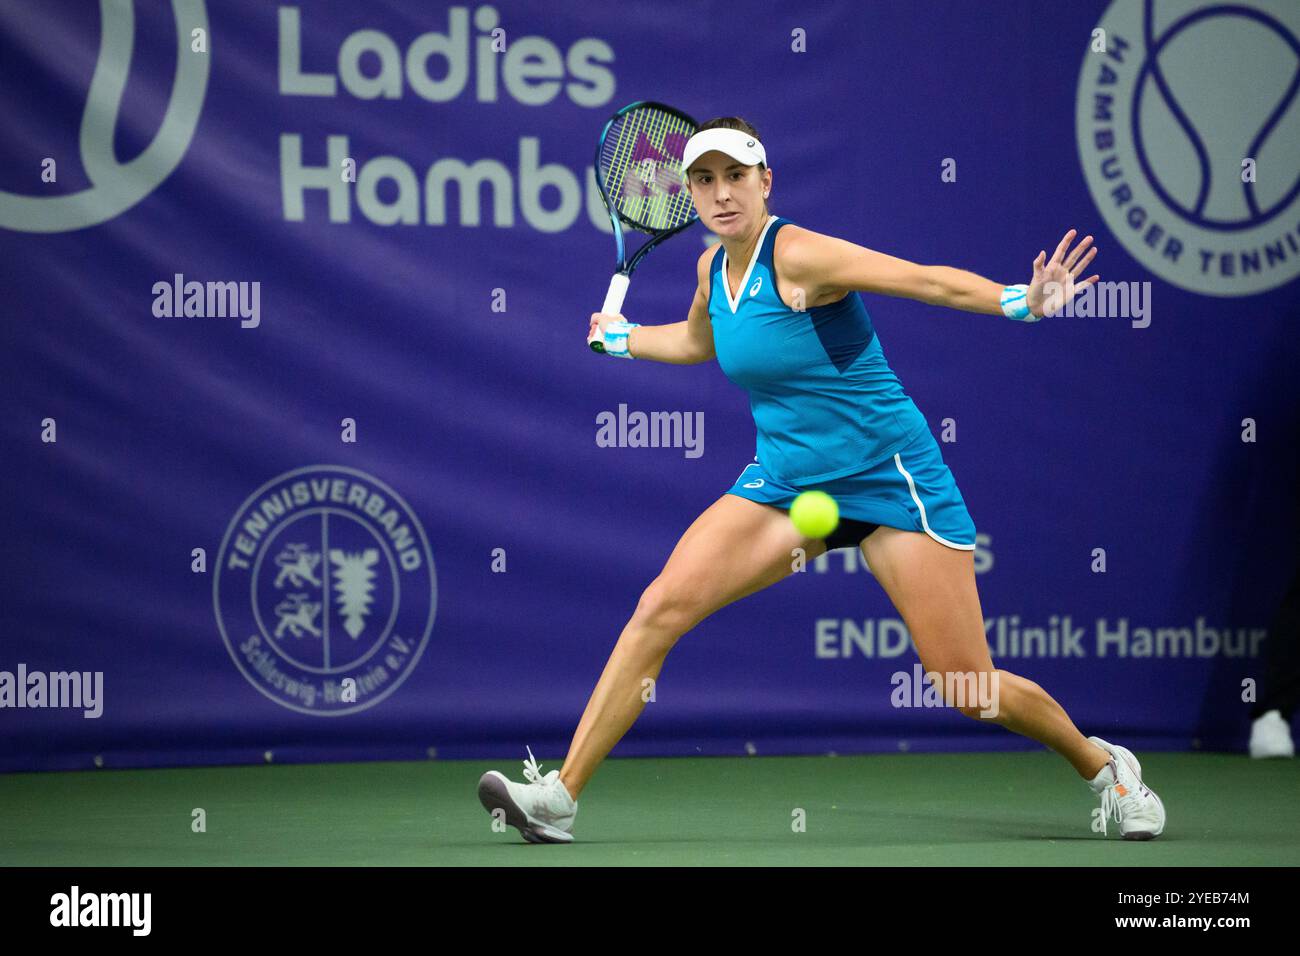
726 282
911 486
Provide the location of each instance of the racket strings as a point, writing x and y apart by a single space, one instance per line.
640 164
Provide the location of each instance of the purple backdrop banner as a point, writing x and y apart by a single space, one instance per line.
304 452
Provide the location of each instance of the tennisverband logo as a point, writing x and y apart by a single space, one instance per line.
1188 128
325 590
119 186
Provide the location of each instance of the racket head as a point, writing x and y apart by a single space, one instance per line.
639 167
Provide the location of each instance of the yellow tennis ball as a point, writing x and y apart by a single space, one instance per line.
815 514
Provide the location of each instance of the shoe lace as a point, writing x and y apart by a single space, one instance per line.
1112 806
1118 800
552 797
532 769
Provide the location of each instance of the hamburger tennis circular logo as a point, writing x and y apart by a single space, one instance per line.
325 590
116 186
1188 128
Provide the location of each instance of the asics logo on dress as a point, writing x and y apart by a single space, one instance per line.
753 289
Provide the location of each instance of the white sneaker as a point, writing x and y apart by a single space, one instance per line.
541 809
1270 736
1124 797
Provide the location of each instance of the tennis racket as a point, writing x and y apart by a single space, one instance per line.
640 176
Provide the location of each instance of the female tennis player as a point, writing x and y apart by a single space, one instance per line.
778 306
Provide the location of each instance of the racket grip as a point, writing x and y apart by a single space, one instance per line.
613 305
614 297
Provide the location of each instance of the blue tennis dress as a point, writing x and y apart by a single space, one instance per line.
828 410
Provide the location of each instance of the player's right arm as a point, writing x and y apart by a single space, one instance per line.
678 343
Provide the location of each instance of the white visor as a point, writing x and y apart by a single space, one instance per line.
739 146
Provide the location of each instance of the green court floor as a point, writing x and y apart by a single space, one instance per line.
916 809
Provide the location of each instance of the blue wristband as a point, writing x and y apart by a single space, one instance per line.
615 336
1015 304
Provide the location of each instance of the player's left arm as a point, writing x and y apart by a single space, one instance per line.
826 268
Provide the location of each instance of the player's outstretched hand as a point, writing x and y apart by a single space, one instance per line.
1054 282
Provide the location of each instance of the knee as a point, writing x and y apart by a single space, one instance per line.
975 693
665 611
1002 696
990 712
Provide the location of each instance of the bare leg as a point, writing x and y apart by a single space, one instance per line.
933 588
736 547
